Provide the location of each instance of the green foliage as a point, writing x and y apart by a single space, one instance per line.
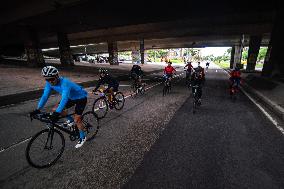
223 64
262 54
245 54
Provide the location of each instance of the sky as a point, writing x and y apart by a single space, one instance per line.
216 51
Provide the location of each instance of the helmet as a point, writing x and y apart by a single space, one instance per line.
49 71
102 70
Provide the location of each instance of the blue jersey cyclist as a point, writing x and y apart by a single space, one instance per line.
71 95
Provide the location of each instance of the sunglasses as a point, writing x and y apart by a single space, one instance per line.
50 79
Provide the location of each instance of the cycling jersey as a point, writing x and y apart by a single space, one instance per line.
67 89
137 70
108 80
189 67
169 70
235 74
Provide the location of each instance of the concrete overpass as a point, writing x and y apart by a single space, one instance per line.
123 26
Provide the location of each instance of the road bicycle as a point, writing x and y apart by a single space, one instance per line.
195 95
167 85
102 104
47 146
138 88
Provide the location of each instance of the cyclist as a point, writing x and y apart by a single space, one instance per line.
136 74
235 77
113 84
197 79
71 94
188 71
169 71
207 65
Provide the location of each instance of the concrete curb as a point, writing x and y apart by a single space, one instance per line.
275 108
30 95
34 94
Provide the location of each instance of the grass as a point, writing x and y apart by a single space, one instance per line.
223 65
259 65
226 65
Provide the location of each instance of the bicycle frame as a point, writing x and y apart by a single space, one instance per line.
52 125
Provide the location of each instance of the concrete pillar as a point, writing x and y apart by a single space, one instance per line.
232 57
113 54
142 51
33 52
66 58
254 45
237 55
273 64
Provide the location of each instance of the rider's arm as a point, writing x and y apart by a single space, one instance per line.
44 97
100 82
64 97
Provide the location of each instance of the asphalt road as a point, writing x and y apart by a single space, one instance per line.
156 142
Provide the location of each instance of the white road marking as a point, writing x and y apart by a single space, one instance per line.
275 123
14 145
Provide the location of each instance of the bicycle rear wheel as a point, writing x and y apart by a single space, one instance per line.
45 148
119 101
100 107
91 122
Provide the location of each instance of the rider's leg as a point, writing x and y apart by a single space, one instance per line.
79 109
110 94
200 92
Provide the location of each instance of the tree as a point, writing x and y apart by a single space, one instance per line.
261 54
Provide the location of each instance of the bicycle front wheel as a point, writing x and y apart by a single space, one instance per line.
91 123
100 107
119 101
45 148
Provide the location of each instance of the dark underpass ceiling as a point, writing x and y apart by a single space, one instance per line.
101 21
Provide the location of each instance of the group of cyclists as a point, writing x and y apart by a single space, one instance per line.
74 95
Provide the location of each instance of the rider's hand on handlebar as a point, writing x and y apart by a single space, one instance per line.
54 117
35 112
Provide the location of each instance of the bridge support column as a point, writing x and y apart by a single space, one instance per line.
254 45
66 58
142 51
273 64
33 52
113 54
237 55
232 57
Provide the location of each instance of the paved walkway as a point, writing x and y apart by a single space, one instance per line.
18 79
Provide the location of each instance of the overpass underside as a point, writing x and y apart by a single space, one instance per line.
112 27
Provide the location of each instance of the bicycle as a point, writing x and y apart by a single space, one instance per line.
138 88
102 104
167 86
233 91
195 96
47 146
188 79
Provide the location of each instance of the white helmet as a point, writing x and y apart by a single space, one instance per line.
49 71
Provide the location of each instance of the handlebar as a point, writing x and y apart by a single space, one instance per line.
43 117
